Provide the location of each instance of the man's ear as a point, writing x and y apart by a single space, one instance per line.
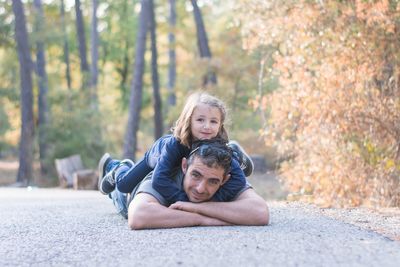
184 165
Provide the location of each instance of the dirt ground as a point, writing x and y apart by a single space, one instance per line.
8 175
385 221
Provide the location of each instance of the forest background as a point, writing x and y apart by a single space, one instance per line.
311 85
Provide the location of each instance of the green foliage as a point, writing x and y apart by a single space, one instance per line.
4 120
118 36
6 25
75 131
75 127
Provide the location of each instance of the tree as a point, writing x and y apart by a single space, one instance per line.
158 120
25 173
202 41
80 29
336 111
95 55
135 100
171 54
118 43
43 87
66 48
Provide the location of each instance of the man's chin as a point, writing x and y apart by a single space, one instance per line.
197 200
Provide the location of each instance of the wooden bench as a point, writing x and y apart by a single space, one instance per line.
71 173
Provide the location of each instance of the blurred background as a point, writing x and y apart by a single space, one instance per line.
312 87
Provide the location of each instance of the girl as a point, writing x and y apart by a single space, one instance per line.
202 118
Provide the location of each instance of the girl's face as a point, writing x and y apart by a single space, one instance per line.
205 122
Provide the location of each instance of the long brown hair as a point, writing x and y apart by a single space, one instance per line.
182 128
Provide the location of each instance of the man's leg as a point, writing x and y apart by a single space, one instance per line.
120 202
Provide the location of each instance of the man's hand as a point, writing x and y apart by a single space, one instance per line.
191 207
185 206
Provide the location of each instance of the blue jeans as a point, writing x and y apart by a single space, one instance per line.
120 202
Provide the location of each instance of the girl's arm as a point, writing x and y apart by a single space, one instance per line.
167 166
234 185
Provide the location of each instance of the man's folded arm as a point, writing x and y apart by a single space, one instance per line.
248 209
146 212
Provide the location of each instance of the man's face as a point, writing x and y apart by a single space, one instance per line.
201 182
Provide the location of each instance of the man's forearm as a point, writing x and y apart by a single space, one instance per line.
147 215
249 209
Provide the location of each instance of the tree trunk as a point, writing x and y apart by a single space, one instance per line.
158 120
66 56
202 42
43 88
172 54
25 174
66 47
95 56
123 71
80 29
135 101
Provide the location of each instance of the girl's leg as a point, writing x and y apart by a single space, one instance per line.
127 176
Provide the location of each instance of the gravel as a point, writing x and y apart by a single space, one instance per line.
54 227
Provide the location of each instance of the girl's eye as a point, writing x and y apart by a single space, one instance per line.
200 120
214 122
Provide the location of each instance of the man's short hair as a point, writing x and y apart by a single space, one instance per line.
213 153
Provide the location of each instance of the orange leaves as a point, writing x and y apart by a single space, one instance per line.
259 102
336 113
374 12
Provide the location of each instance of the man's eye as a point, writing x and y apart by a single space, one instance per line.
214 182
195 176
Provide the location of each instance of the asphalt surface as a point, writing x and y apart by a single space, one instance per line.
55 227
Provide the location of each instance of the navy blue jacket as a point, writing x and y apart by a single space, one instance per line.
165 156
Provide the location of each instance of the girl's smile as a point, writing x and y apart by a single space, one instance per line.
205 122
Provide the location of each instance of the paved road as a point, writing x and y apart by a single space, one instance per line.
55 227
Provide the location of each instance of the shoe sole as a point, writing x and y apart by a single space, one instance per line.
245 154
101 169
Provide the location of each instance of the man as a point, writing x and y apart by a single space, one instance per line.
204 171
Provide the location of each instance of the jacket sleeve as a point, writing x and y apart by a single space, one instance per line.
233 186
167 167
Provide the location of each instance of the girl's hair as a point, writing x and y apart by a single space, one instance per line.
182 128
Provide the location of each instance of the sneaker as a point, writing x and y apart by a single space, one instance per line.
246 164
106 174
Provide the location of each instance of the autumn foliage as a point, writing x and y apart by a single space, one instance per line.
335 117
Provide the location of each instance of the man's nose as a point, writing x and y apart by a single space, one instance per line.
201 187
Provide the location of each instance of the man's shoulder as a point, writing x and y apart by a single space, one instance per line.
146 186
